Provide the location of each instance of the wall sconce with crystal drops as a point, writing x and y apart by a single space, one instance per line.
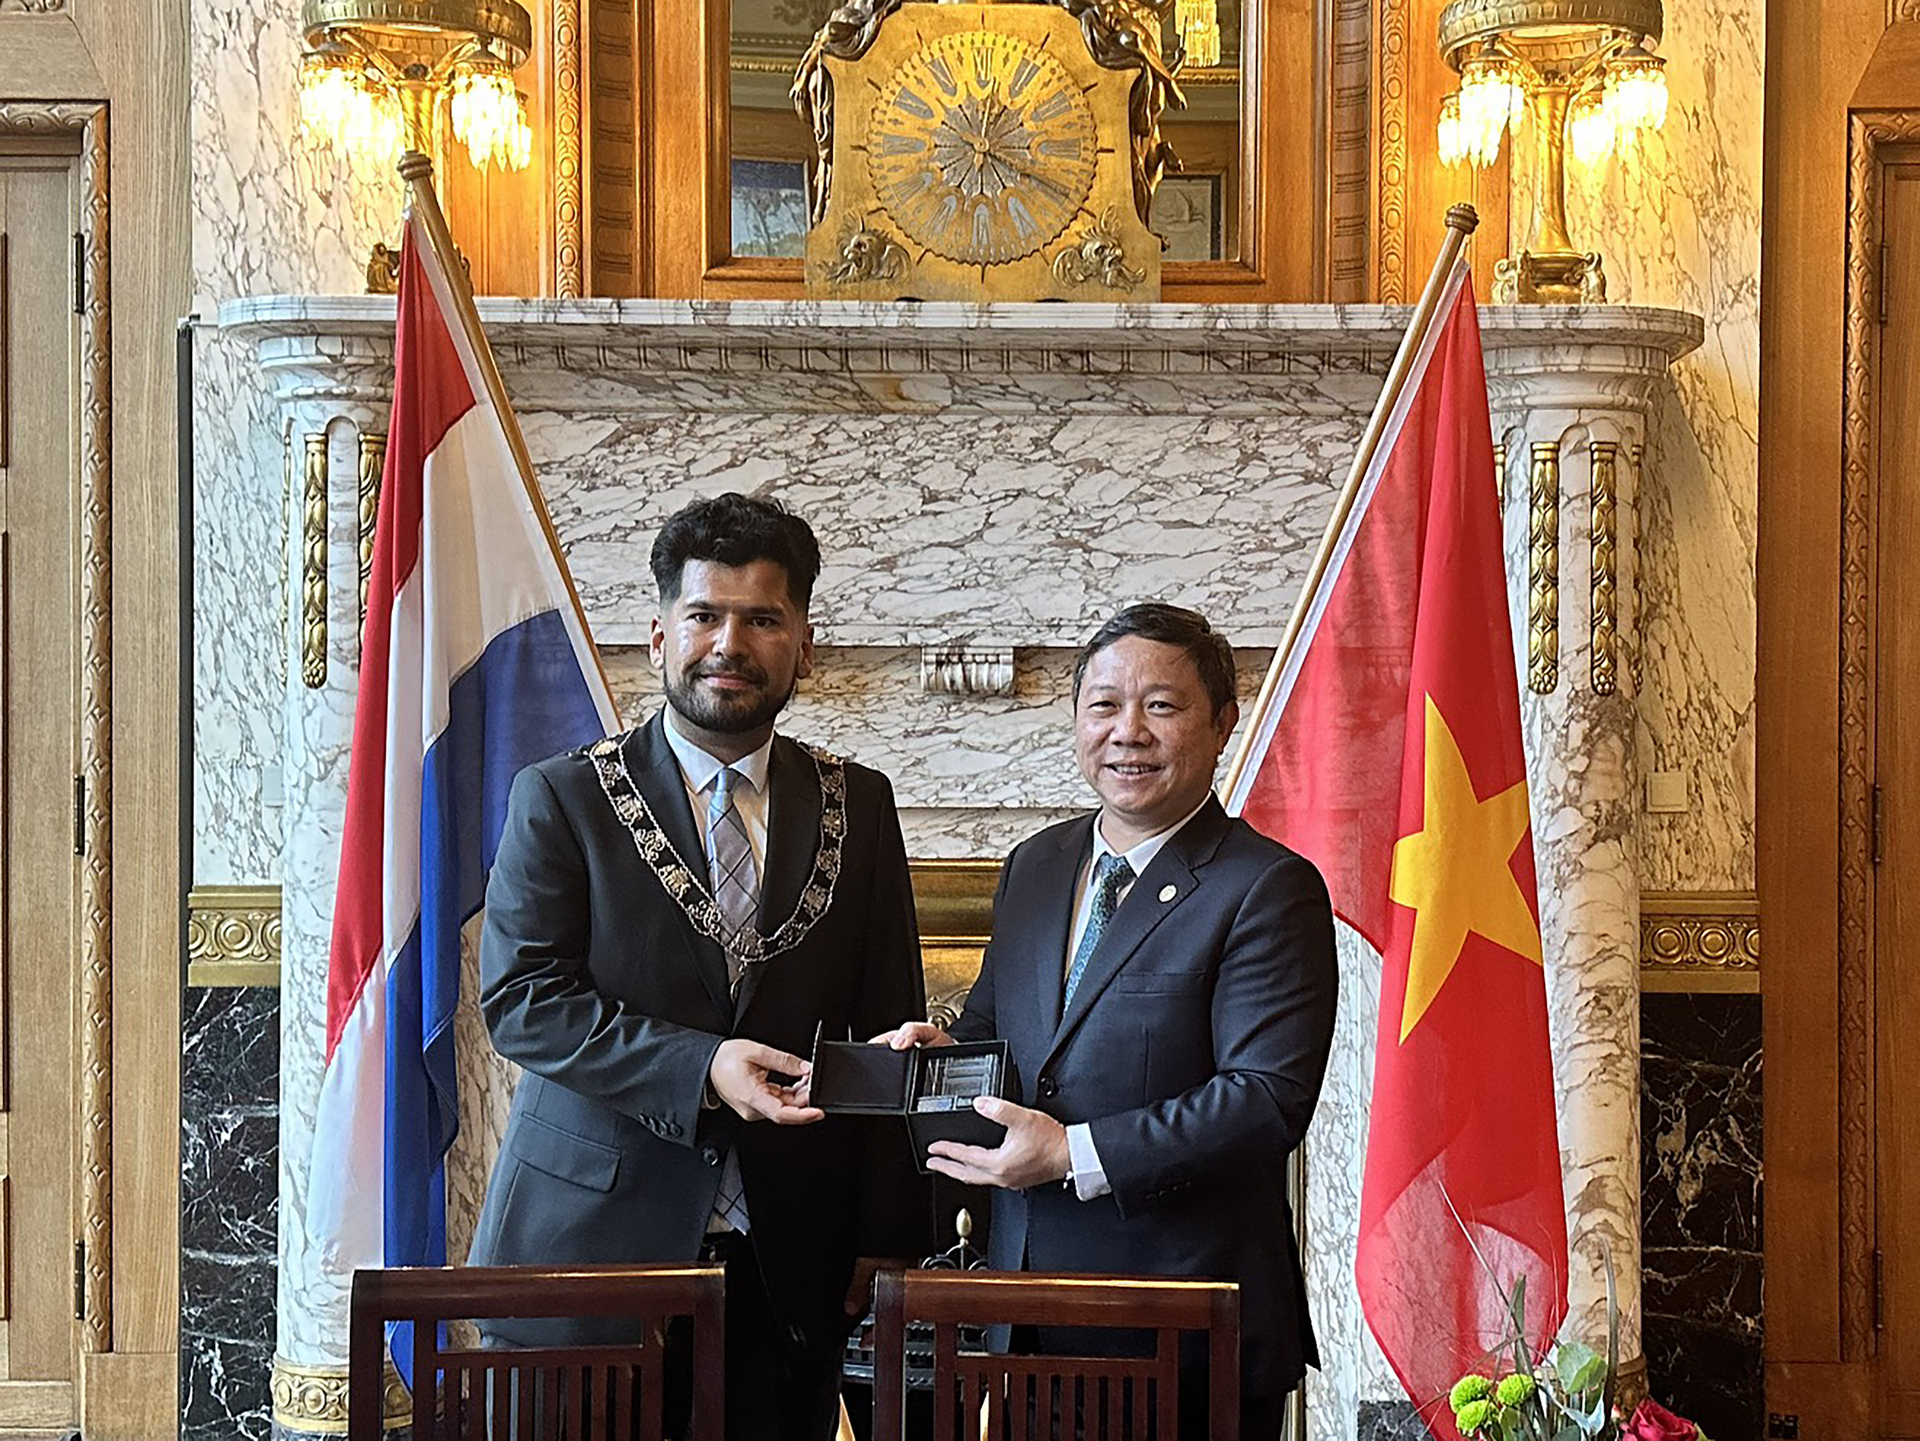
1582 72
377 76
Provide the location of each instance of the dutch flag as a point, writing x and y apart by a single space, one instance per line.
475 661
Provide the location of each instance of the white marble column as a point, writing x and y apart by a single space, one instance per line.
334 421
1573 438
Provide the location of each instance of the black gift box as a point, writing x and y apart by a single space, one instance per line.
931 1086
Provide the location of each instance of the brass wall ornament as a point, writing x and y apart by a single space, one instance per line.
1098 257
1605 581
233 936
868 254
1543 569
313 563
373 458
980 135
313 1399
1699 941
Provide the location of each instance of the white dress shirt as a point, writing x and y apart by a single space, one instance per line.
1089 1176
698 771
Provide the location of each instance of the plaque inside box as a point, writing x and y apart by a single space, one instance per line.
931 1087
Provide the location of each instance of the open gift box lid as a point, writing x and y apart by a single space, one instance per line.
932 1087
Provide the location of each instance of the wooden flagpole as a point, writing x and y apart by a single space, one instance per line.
417 170
1462 220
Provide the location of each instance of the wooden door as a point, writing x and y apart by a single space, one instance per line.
1897 773
38 648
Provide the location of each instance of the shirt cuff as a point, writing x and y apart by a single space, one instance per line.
1089 1178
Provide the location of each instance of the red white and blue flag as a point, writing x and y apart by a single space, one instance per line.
474 662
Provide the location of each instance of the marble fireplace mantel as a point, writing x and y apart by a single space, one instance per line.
1313 370
989 482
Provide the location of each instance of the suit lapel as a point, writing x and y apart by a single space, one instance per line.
1046 931
1146 906
793 839
656 774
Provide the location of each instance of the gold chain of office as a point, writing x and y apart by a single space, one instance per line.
686 884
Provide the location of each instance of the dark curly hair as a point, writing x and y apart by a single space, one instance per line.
736 530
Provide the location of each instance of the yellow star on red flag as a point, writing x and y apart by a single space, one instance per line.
1455 872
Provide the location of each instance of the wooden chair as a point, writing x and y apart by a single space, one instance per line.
1017 1397
583 1393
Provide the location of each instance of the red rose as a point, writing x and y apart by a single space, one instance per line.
1651 1421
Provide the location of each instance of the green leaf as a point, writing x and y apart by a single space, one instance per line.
1570 1358
1613 1334
1590 1379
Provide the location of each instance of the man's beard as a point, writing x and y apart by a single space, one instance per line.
722 712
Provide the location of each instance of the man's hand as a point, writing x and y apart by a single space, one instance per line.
909 1034
1033 1152
741 1074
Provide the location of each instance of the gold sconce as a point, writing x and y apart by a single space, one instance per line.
1198 22
1579 72
376 73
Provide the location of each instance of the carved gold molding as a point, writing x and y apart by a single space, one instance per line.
88 124
313 563
1500 474
1699 941
1392 191
1604 570
233 932
569 272
1543 568
373 457
1867 132
953 901
233 936
313 1399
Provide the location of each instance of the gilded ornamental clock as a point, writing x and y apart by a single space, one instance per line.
975 152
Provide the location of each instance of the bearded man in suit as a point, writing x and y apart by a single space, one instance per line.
1165 978
673 913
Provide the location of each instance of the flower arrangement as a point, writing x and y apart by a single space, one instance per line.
1565 1396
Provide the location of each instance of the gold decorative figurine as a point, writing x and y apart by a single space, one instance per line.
981 151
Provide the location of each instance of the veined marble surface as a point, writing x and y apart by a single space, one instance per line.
269 211
1678 222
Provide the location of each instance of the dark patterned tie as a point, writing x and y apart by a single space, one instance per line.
736 891
1110 877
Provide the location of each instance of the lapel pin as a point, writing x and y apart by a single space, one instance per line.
1167 893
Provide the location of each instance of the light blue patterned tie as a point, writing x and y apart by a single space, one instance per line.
736 891
1110 877
736 880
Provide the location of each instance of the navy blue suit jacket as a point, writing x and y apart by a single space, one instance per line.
1194 1047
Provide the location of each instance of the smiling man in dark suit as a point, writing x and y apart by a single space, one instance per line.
672 914
1165 978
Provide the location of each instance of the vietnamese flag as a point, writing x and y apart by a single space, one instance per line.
1390 755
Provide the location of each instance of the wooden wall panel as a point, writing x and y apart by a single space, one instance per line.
615 232
141 51
1413 190
1819 1223
503 221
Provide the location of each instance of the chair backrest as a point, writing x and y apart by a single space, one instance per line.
543 1393
1013 1397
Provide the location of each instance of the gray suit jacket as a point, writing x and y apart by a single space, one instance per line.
595 982
1194 1047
